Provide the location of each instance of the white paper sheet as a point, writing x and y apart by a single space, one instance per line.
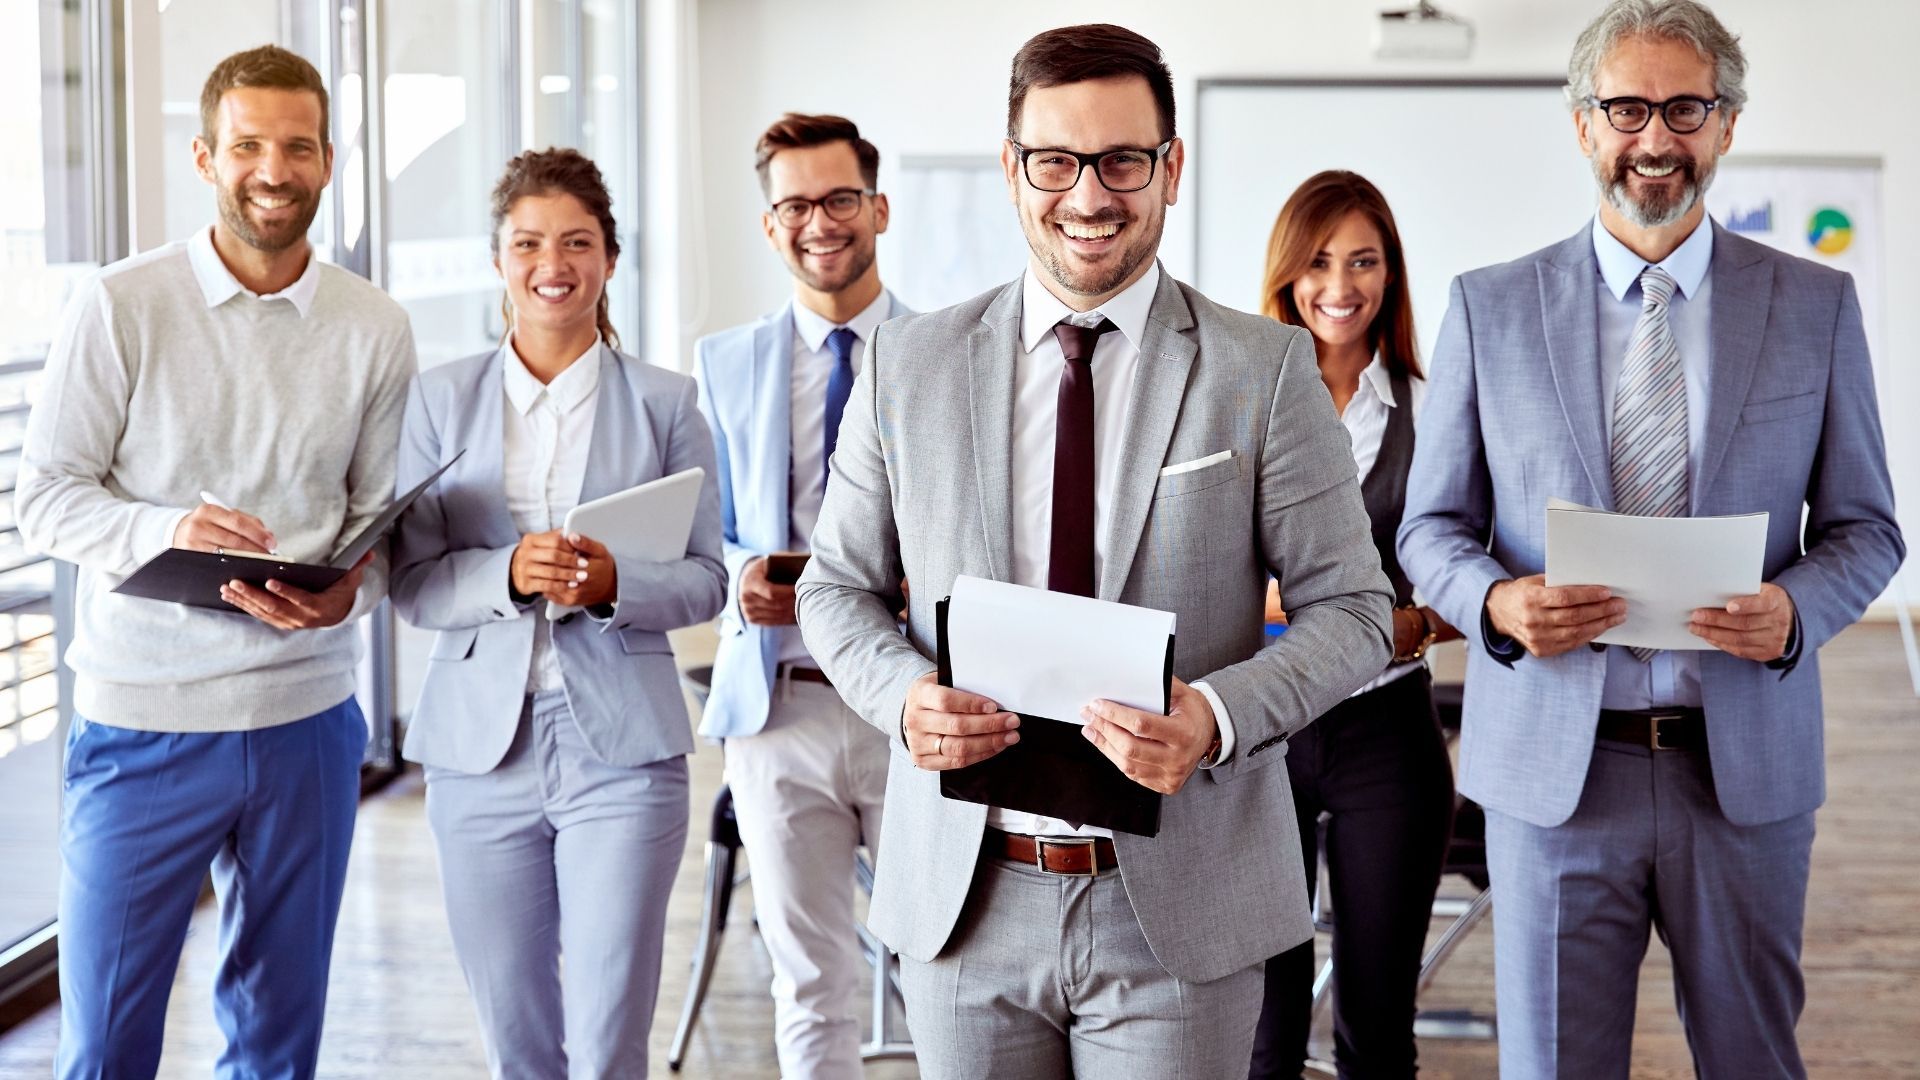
1663 567
1049 654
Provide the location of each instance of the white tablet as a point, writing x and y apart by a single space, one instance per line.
647 523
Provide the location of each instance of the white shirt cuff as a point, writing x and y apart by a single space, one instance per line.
1222 720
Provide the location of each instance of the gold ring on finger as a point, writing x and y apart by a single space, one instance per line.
939 745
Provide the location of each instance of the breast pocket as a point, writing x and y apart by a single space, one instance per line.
1198 475
1761 412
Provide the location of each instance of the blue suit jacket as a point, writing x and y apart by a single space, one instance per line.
1513 418
746 392
452 550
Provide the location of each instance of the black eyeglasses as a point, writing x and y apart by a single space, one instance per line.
1684 115
1120 171
840 204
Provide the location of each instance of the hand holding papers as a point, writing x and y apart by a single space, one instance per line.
1663 567
1046 655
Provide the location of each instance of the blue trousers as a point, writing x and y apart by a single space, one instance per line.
146 814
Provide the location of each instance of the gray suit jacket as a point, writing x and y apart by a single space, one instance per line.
453 547
921 489
1513 418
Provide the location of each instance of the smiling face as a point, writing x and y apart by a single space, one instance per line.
269 162
555 263
1340 294
1090 243
1653 178
824 255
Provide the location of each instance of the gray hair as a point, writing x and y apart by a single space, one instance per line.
1669 20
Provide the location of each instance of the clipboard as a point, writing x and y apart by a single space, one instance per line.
194 578
1053 770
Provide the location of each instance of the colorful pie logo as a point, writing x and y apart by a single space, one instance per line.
1829 231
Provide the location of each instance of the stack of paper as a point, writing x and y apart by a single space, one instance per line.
1663 567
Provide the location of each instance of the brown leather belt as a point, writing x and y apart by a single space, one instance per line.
807 674
1658 729
1073 856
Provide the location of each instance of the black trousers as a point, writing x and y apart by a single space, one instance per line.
1377 766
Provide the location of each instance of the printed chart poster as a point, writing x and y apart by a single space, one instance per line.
1822 209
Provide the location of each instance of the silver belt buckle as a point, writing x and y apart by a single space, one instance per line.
1654 724
1040 844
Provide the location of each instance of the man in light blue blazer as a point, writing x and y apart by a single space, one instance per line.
807 775
1653 363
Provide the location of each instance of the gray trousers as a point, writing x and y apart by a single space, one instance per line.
556 868
1048 977
1648 848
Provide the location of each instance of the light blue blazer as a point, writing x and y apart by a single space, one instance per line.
452 550
746 392
1513 418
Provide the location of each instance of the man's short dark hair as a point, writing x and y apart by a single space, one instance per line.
795 130
268 67
1074 54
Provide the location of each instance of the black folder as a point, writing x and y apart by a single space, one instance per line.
195 577
1053 770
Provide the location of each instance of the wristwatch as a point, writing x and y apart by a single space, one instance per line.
1426 638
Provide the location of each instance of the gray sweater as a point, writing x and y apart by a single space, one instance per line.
167 379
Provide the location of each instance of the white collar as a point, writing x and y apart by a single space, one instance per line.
575 384
812 328
1377 376
1040 309
1621 268
218 284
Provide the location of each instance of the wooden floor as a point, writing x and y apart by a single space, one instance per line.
397 1007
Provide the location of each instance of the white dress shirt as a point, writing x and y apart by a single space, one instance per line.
1036 404
813 364
1670 677
549 429
1365 418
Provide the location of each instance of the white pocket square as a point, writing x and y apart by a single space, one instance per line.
1196 463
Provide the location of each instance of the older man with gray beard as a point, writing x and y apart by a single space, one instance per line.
1652 364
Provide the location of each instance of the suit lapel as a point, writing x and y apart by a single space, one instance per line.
993 351
773 382
488 438
1159 384
1572 333
612 456
1742 288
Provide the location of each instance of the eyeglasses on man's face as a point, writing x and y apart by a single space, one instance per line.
1055 169
840 204
1683 115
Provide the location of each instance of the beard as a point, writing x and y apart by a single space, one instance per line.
1657 208
859 261
271 239
1051 249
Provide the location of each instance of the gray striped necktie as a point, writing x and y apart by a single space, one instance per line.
1650 415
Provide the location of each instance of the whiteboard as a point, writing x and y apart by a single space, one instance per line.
1477 172
954 233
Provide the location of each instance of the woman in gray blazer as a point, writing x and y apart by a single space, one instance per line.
555 750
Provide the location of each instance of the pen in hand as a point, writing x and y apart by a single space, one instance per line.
213 500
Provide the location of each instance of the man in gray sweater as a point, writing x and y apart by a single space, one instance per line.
234 363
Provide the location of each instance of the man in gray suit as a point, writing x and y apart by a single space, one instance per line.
1657 364
1094 427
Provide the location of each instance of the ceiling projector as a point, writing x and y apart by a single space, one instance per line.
1423 32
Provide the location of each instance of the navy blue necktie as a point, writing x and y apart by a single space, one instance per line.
839 388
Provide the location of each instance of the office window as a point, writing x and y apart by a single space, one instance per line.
45 245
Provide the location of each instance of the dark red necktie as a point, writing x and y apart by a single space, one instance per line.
1070 554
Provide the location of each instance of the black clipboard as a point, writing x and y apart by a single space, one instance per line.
1053 770
194 578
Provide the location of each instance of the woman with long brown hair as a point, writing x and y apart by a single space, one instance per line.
1376 765
555 748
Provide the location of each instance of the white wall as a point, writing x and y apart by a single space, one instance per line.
923 78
